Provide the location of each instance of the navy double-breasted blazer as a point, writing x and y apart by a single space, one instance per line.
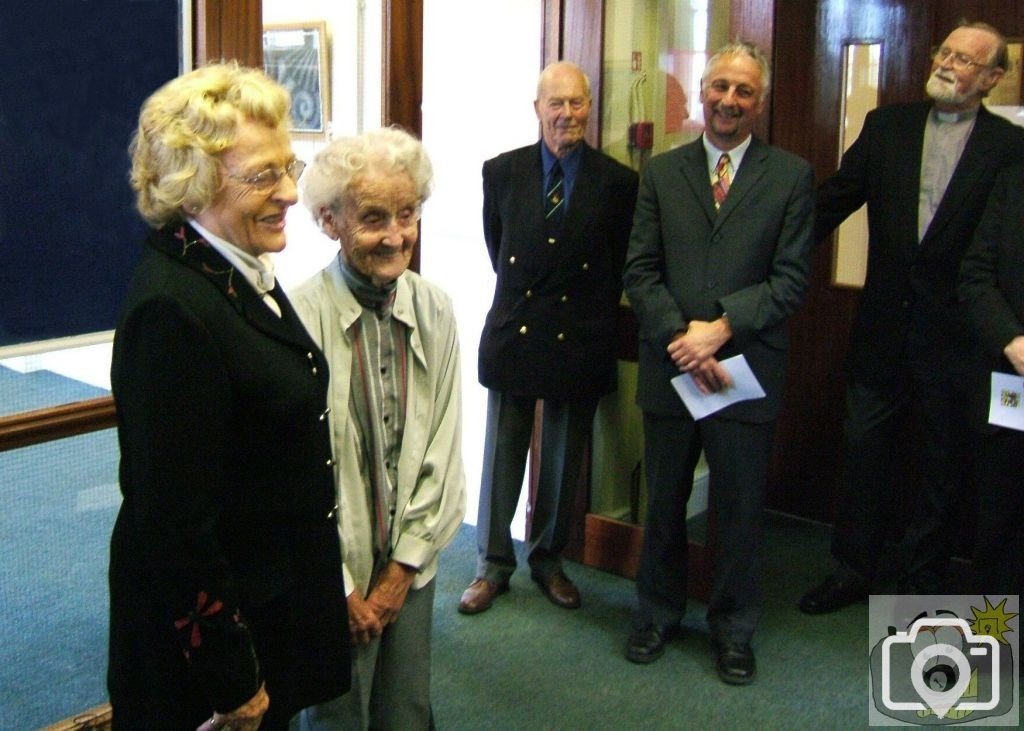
225 566
550 331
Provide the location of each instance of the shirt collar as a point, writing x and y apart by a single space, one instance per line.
735 154
257 270
570 163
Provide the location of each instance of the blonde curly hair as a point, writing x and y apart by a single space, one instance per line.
185 125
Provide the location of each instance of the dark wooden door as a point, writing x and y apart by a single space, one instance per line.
808 62
809 40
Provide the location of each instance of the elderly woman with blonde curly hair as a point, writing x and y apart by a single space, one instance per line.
226 606
391 340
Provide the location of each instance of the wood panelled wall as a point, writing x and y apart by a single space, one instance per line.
228 29
403 64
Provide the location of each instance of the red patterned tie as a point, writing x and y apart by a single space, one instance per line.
720 180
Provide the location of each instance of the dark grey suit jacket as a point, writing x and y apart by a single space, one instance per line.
550 332
908 308
749 260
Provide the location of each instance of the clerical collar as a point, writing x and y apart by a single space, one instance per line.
954 117
257 270
366 292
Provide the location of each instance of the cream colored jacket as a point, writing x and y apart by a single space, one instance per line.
431 491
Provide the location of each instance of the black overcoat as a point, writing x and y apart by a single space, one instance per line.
908 307
225 567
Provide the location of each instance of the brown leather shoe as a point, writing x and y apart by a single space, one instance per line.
560 590
479 596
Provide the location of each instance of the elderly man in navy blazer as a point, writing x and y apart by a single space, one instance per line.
925 170
717 262
557 216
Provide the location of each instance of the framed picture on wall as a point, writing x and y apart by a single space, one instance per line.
295 55
1007 99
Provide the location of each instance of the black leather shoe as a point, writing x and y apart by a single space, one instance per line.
833 594
647 644
735 663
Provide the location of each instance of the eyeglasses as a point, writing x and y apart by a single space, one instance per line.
267 179
959 61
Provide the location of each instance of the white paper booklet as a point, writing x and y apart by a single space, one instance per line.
1007 405
744 387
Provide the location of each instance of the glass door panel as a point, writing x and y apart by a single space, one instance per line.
654 54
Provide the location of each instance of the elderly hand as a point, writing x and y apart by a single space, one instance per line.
246 717
388 596
700 342
363 622
1014 351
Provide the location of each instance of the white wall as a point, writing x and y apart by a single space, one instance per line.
354 42
478 102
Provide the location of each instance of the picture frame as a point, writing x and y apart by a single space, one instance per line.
1007 99
295 55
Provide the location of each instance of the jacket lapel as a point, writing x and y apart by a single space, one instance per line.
586 191
694 169
185 244
750 172
528 172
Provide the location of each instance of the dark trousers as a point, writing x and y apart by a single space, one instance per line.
566 427
873 452
737 455
997 556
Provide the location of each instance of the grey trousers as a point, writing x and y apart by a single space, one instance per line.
390 677
567 425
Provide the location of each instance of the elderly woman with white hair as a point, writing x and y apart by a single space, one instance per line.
391 341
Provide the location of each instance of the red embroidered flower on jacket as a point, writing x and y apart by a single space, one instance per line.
203 609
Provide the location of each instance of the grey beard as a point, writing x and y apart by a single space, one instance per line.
944 93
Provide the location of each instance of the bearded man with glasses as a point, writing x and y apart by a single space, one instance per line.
925 170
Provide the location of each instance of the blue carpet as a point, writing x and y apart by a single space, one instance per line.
525 664
528 665
57 507
59 502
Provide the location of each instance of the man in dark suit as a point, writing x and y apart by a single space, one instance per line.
714 270
925 170
992 288
556 221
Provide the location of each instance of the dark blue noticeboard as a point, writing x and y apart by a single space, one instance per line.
73 74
